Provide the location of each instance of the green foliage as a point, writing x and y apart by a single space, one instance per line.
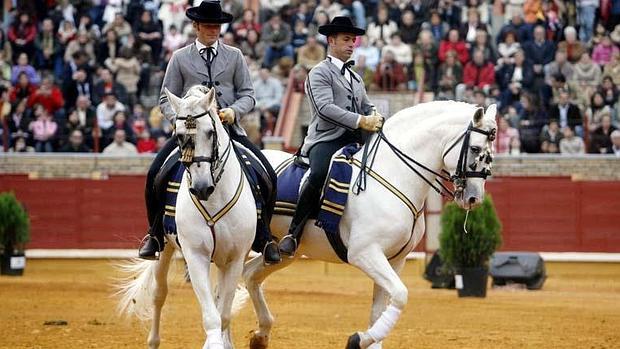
14 221
474 248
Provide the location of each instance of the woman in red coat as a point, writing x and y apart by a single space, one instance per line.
453 43
22 34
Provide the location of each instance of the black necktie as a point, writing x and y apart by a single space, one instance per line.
347 66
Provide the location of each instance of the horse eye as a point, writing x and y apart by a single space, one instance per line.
210 134
476 149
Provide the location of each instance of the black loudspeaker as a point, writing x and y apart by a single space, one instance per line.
518 267
437 274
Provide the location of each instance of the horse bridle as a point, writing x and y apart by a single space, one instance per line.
459 178
187 145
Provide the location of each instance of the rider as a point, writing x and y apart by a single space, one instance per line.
209 62
340 110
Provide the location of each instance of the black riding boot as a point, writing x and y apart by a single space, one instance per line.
307 203
271 252
155 240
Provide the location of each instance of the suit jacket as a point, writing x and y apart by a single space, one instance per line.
335 105
573 115
230 76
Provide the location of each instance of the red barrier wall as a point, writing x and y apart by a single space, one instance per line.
551 214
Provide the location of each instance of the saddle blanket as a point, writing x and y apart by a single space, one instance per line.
333 199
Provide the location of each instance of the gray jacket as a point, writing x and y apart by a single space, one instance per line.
334 106
230 76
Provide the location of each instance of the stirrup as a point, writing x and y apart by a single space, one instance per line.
283 242
143 242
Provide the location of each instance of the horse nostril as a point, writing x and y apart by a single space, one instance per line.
210 190
472 200
193 191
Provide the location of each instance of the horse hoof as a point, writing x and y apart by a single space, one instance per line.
259 342
354 342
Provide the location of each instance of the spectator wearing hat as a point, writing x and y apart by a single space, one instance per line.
277 37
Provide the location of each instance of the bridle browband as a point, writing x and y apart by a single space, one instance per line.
187 145
459 178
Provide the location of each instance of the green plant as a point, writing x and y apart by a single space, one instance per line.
459 249
14 222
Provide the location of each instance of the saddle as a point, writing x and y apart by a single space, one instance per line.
168 180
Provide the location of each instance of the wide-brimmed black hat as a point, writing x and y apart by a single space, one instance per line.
208 12
341 24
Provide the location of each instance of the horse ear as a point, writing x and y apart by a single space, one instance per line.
478 115
211 101
491 111
175 102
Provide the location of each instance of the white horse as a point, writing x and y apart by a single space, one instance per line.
213 210
380 226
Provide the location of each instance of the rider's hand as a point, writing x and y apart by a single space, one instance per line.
371 123
227 115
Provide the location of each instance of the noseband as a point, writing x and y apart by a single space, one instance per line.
187 145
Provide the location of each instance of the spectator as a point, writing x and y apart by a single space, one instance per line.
127 70
120 26
5 46
48 51
160 142
20 145
539 52
610 91
310 54
19 121
66 32
332 9
449 76
615 141
106 110
419 8
482 43
277 37
75 143
120 122
138 119
146 144
107 84
519 71
567 113
23 66
247 23
23 89
173 40
47 95
43 130
390 75
303 14
471 26
109 48
481 8
597 109
5 68
158 123
505 136
573 48
586 77
436 26
532 12
268 94
87 117
22 33
402 52
453 43
571 144
517 26
80 84
409 28
82 43
508 48
613 68
550 138
478 73
149 32
531 120
586 10
559 67
254 48
300 35
321 18
371 53
363 70
604 51
427 48
600 141
86 24
450 15
120 147
380 30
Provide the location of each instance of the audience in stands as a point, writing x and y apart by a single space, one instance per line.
94 73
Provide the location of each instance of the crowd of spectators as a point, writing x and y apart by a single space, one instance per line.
79 75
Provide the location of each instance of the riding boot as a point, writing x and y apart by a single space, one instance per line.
271 252
154 210
307 203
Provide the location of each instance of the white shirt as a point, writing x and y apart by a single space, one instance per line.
200 46
120 150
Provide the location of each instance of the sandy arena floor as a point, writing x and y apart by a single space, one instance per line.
318 307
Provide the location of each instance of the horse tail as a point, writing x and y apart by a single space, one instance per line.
136 288
241 299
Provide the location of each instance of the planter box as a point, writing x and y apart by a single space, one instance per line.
13 264
472 282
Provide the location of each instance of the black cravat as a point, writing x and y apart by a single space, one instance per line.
210 54
347 66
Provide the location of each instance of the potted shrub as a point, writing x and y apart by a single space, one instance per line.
468 253
14 234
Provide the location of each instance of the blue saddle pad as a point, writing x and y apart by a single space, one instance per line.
172 190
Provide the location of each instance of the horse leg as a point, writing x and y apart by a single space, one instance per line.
373 262
228 277
198 266
254 273
380 298
159 294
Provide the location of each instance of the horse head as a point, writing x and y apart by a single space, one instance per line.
470 164
196 130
